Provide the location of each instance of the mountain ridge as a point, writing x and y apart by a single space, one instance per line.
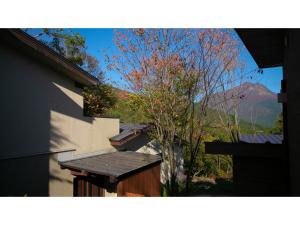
255 103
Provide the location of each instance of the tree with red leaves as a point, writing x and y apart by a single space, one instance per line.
173 73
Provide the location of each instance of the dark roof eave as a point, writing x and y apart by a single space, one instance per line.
249 50
264 45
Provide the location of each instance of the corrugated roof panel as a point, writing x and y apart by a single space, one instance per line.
261 138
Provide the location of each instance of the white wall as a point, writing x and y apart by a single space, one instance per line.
42 112
142 144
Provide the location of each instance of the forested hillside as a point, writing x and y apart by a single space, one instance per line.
127 114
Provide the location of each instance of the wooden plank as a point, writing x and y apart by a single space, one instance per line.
75 187
84 187
145 182
129 194
95 190
79 187
79 173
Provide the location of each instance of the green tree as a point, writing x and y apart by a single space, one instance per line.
70 45
278 128
126 110
98 99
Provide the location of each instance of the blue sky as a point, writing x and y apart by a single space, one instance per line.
101 39
98 41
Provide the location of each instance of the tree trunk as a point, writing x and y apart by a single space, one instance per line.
187 183
188 176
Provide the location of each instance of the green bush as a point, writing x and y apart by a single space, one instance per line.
98 99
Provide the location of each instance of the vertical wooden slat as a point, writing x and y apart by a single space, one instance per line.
84 187
75 187
79 187
94 190
143 183
146 182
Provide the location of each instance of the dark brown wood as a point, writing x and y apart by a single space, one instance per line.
88 186
79 173
143 183
77 187
129 194
95 190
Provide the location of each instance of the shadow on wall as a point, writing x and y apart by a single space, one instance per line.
26 124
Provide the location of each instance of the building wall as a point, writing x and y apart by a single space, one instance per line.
143 183
86 186
42 112
291 74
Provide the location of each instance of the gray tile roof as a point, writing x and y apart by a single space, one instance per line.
128 129
124 134
261 138
115 164
132 126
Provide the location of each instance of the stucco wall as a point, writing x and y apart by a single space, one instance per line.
42 112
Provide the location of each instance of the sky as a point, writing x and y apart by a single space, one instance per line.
99 40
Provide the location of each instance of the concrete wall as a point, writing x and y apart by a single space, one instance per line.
292 76
42 112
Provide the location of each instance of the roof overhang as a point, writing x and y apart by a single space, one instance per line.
265 45
114 165
29 45
128 132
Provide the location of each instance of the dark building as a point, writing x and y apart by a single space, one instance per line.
272 48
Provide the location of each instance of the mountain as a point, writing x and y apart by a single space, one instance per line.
255 103
121 94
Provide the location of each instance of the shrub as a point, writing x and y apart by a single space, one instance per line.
98 99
